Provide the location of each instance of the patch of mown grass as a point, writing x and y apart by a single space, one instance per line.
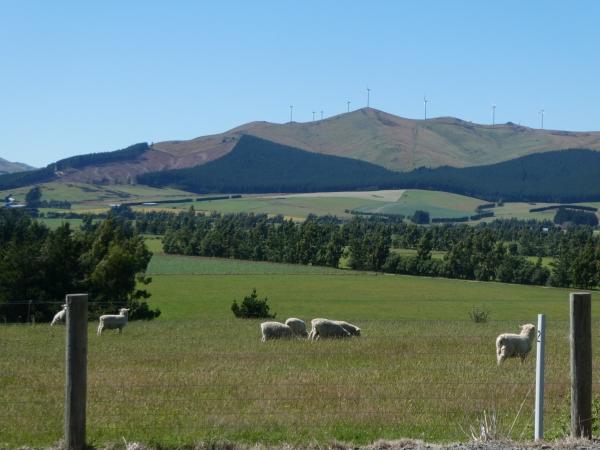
179 264
421 369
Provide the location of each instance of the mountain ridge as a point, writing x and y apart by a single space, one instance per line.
395 142
12 167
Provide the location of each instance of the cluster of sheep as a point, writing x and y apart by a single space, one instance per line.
107 321
320 328
508 345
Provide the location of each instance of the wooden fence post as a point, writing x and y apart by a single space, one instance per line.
581 364
76 371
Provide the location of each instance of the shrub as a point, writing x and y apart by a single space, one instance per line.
479 315
252 307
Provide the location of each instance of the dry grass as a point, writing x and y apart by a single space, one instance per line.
178 383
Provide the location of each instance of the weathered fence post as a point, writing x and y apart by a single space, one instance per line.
76 371
581 364
539 378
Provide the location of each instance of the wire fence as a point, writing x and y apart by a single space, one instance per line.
207 375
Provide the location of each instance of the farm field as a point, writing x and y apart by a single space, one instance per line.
295 207
421 368
95 199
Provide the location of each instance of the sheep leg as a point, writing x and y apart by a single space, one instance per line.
100 328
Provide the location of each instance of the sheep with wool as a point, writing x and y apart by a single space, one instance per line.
59 317
275 330
325 328
350 328
298 326
113 321
509 345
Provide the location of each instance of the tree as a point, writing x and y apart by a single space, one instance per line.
252 307
33 197
420 217
584 268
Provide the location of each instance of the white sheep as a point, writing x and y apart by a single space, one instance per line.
275 330
59 317
350 328
510 345
113 321
298 326
325 328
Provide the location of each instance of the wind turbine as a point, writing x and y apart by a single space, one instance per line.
368 96
542 114
321 114
314 115
348 103
425 103
493 115
291 112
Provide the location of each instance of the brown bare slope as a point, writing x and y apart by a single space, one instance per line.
395 142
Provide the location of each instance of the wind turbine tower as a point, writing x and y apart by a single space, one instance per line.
368 96
493 116
425 103
542 114
321 114
314 115
291 112
348 104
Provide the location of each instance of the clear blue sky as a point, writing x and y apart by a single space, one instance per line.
89 76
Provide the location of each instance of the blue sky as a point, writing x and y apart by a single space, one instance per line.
79 77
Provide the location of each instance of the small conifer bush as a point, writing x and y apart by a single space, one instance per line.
252 307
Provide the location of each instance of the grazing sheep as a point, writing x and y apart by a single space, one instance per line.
298 326
325 328
350 328
275 330
59 317
113 321
510 345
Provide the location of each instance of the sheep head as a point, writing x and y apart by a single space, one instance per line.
123 311
528 330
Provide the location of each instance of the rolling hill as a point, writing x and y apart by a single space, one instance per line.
394 142
368 135
11 167
258 166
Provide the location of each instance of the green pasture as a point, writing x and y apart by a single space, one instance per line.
294 207
87 198
91 197
421 368
438 204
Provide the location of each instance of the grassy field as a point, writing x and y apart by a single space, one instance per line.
93 199
295 207
438 204
421 368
